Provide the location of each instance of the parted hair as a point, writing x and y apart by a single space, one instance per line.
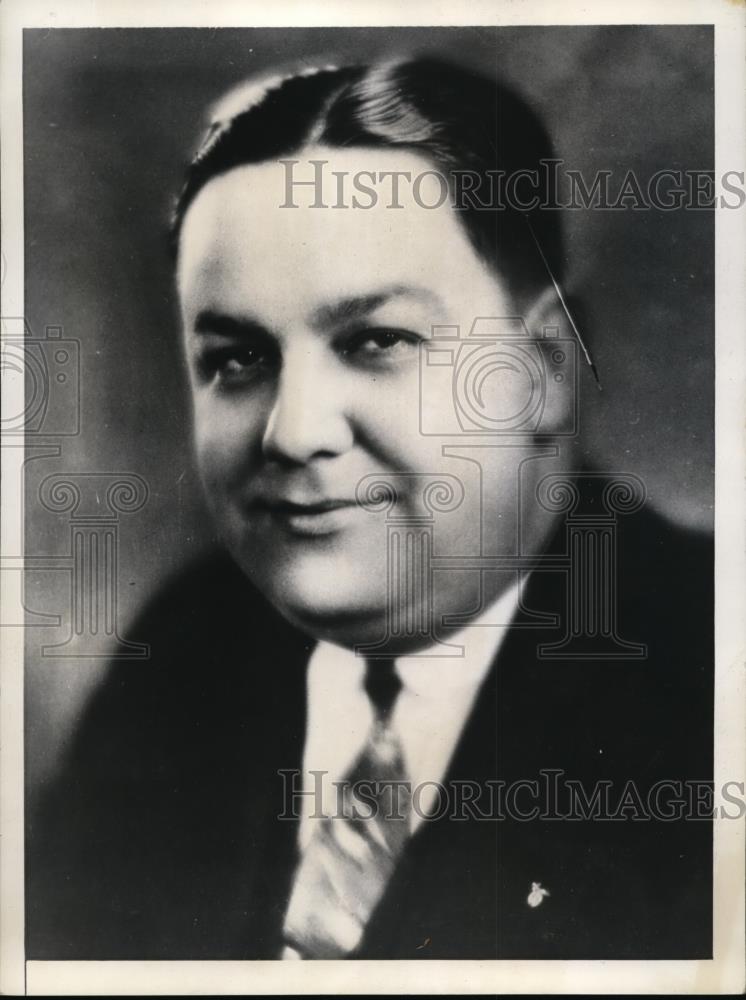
457 119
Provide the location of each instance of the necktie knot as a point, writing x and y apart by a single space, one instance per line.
382 685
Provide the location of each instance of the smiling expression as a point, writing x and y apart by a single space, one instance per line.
303 330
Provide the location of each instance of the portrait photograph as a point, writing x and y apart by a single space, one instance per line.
373 486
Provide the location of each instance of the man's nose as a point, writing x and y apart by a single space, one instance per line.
308 416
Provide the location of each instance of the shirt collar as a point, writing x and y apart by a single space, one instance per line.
438 669
464 662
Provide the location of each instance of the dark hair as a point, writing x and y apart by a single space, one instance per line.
459 120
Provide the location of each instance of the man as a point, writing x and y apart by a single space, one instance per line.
384 413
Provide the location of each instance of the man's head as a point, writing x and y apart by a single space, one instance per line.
306 329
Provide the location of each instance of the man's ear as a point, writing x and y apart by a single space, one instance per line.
548 325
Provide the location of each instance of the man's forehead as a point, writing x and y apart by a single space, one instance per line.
239 236
332 175
324 192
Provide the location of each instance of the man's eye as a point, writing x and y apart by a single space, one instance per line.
374 343
234 365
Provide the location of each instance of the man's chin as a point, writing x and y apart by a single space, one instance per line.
362 628
339 622
325 598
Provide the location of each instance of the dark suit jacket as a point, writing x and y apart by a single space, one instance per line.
159 839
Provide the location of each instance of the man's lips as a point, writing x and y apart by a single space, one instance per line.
306 518
281 505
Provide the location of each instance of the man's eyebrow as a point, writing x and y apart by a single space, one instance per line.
345 310
212 321
356 307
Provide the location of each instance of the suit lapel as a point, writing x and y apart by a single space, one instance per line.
271 693
463 886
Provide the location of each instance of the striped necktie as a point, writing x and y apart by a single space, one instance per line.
350 859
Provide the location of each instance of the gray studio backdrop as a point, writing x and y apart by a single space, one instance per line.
109 119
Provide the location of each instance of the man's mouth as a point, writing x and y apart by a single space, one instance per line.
308 517
287 506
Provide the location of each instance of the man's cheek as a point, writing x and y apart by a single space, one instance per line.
218 445
217 467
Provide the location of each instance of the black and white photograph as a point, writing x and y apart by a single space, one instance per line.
373 500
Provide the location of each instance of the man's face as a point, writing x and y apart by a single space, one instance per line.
304 328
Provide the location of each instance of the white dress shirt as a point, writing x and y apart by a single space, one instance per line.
431 710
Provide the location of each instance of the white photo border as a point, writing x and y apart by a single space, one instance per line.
722 974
